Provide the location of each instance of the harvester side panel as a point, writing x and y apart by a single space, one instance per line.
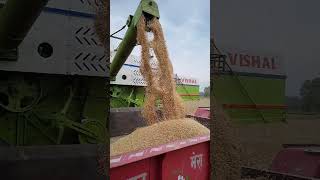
251 87
66 45
266 101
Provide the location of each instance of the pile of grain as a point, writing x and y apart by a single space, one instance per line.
226 149
158 134
160 83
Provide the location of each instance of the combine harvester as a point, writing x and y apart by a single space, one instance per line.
183 160
251 88
53 99
127 88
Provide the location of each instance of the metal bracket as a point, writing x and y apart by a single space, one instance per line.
8 54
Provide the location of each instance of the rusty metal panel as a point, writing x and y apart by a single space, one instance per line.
124 120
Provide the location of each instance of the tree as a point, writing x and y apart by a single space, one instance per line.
294 103
310 94
207 91
305 93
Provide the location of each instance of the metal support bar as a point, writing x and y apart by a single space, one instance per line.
129 41
16 19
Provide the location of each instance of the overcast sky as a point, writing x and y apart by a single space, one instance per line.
186 25
289 28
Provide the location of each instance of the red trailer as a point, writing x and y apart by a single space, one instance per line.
202 115
299 159
294 162
181 160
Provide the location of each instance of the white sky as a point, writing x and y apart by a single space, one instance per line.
288 28
186 25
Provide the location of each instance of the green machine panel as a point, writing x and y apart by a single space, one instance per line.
251 88
133 96
188 92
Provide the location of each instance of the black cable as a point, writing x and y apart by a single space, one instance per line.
119 38
118 30
112 35
116 37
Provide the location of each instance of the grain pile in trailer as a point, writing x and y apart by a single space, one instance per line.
158 134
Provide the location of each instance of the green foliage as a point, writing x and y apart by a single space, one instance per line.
207 91
310 94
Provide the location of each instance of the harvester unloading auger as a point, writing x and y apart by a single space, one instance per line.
147 9
160 84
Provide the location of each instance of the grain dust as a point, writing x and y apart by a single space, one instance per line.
101 23
101 26
226 149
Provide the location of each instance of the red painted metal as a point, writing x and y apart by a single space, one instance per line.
179 160
202 115
188 163
253 106
189 94
303 161
202 112
154 151
139 170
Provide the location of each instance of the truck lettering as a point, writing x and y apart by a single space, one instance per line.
233 58
181 177
255 61
273 64
266 63
142 176
196 161
246 60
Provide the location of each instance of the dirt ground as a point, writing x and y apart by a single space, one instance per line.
261 142
191 106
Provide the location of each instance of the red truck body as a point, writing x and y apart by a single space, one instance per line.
181 160
300 159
